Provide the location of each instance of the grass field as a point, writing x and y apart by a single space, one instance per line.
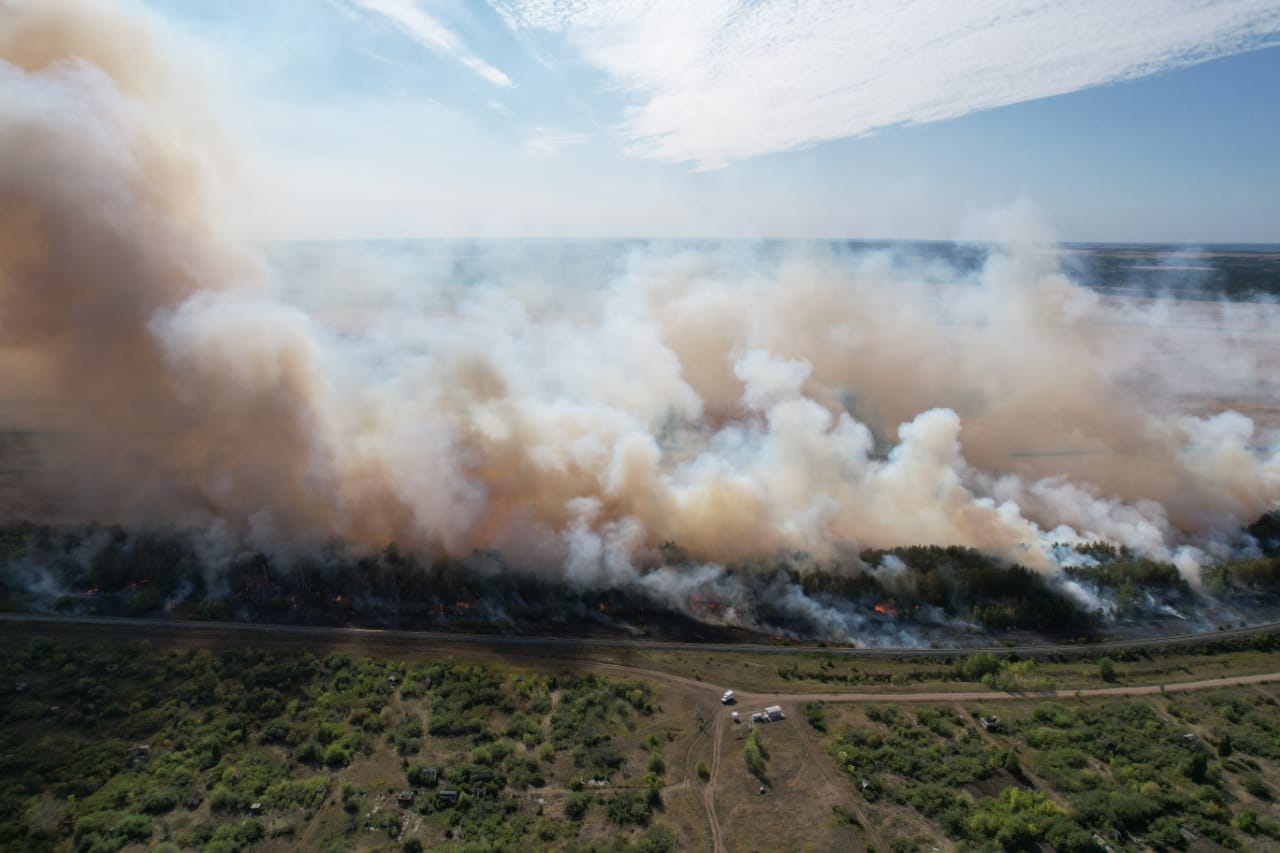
619 750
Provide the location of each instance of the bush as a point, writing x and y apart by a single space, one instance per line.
1067 836
1107 669
813 713
158 801
704 773
575 807
629 807
1164 833
1247 821
337 755
754 754
1254 785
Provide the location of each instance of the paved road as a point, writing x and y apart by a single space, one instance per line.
141 625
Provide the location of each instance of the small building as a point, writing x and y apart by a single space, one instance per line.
255 809
735 717
194 801
406 798
1190 739
484 776
759 717
727 698
449 796
991 723
774 712
139 754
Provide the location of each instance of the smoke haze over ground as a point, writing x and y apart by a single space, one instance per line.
572 407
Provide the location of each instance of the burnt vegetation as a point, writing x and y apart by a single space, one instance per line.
94 569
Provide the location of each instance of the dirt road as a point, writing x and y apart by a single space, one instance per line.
709 791
996 696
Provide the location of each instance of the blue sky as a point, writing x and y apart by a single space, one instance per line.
1149 120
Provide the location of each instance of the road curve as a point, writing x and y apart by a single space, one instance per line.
398 634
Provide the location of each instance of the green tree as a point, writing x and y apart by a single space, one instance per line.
1107 669
754 754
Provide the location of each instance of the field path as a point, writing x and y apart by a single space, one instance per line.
709 790
304 843
827 768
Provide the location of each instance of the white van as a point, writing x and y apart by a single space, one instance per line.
727 698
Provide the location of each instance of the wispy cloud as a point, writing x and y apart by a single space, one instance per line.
410 19
720 80
548 143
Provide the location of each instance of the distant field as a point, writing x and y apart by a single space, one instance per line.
1186 272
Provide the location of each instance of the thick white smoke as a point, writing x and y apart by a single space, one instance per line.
574 408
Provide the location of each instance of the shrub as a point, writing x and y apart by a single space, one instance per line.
575 807
1254 785
813 713
1107 669
159 800
754 754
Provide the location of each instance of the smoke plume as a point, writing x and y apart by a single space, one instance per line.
572 407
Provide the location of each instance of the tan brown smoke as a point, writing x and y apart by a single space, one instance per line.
733 403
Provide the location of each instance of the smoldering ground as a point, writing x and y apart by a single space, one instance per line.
572 408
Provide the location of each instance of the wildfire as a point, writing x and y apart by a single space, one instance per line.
604 608
886 609
338 599
463 605
93 590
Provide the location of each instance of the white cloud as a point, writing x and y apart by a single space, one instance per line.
720 80
547 143
410 19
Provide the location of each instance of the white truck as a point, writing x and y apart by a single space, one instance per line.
727 698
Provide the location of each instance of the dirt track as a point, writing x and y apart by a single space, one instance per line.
989 695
